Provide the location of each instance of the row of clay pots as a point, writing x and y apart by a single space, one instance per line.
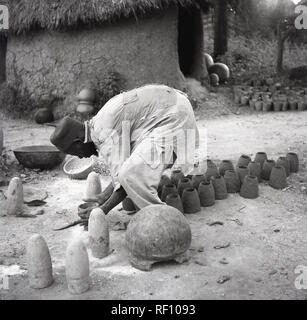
277 106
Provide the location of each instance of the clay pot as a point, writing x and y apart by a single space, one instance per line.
254 169
277 106
294 162
43 115
184 184
168 189
190 201
220 188
244 100
197 179
278 178
242 173
93 187
173 200
224 166
267 106
244 160
250 188
214 79
261 157
206 194
252 103
302 106
293 105
128 205
212 170
259 106
285 106
163 181
232 181
284 162
176 176
267 169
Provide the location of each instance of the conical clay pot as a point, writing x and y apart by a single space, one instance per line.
173 200
93 187
232 181
184 184
224 166
278 178
168 189
250 188
220 188
244 161
254 169
15 198
163 181
197 179
294 162
242 173
212 170
284 162
206 194
267 169
190 201
261 157
176 176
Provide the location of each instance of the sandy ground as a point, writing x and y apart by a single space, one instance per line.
267 236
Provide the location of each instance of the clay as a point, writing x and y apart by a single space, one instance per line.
244 160
277 106
173 200
259 106
206 194
168 189
128 205
294 162
184 184
99 239
93 187
293 105
254 169
285 106
220 188
242 173
15 198
163 181
176 176
224 166
77 267
267 106
212 170
232 181
261 157
190 201
250 188
284 162
39 263
267 169
197 179
278 178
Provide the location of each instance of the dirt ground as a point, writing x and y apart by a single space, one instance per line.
267 237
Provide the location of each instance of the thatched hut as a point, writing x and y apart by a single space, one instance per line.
55 48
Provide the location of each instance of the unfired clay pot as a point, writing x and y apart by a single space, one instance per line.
206 194
261 157
212 170
254 169
278 178
220 188
168 189
197 179
285 106
267 169
250 188
259 106
176 176
173 200
184 184
232 181
293 105
244 160
190 201
277 106
226 165
294 162
302 106
284 162
163 181
242 173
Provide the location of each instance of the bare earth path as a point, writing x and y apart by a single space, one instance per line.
267 236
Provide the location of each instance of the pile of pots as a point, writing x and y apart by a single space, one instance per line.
271 98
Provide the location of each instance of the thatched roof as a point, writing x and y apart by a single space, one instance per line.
26 15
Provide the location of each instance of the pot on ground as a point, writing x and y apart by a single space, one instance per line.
254 169
168 189
206 194
173 200
278 178
284 162
176 176
244 160
242 173
190 201
294 162
224 166
232 181
267 169
184 184
250 188
220 188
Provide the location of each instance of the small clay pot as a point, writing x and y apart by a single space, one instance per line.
184 184
168 189
261 157
232 181
284 162
302 106
242 173
220 188
212 170
165 180
278 178
197 179
206 194
267 106
244 100
267 169
176 176
128 205
277 106
224 166
293 105
259 106
285 106
190 201
250 188
244 160
173 200
294 162
252 104
254 169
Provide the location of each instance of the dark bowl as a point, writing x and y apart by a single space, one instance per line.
39 157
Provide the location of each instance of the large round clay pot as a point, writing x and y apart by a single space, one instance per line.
221 70
267 169
242 173
176 176
168 189
184 184
165 180
254 169
208 60
278 178
220 188
173 200
250 188
232 181
43 115
197 179
294 162
212 170
224 166
261 157
206 194
244 160
284 162
190 201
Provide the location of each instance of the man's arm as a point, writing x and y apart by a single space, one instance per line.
115 199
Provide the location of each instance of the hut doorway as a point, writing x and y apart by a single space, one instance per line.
190 42
3 42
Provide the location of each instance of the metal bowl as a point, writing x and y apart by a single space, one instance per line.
39 157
